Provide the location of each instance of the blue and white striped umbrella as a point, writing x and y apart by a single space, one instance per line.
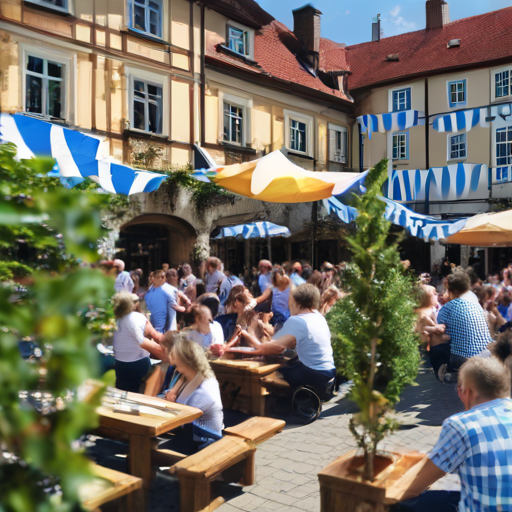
262 229
467 119
76 154
417 224
390 122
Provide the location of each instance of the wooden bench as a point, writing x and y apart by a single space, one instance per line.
276 384
231 459
111 485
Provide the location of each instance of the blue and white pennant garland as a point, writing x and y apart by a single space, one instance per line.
422 226
77 155
390 122
468 119
448 183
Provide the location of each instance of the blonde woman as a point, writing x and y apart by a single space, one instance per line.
197 386
132 347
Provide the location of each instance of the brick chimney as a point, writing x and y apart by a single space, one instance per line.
306 27
438 14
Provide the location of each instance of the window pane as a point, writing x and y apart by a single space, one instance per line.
154 91
154 5
54 95
56 3
154 23
138 89
154 118
139 17
54 69
227 118
33 98
35 64
138 115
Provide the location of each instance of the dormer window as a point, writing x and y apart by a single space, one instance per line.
238 40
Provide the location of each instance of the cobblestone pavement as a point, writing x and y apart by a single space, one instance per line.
287 465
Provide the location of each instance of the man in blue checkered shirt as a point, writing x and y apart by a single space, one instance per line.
476 444
465 324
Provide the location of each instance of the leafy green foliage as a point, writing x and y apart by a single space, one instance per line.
39 449
372 328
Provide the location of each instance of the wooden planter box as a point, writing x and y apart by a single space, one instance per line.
343 490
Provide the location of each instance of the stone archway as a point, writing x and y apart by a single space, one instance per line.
152 239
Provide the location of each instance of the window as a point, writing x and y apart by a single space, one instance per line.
457 147
401 146
44 86
147 106
502 83
298 136
337 144
146 16
457 93
58 5
233 123
402 100
238 40
504 146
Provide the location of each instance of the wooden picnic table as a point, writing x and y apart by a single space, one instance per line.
142 428
240 383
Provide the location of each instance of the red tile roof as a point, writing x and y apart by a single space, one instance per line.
275 53
484 38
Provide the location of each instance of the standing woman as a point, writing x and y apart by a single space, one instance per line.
131 346
280 292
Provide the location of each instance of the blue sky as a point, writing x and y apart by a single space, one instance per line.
349 21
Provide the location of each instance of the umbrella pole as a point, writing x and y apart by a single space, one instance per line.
270 249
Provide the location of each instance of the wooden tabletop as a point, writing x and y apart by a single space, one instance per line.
146 424
260 367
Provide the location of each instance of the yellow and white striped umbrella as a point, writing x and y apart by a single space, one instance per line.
276 179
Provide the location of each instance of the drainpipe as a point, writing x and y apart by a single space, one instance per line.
203 77
427 148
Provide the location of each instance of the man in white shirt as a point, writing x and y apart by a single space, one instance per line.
213 275
123 281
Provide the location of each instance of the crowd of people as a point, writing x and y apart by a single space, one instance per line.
183 321
464 325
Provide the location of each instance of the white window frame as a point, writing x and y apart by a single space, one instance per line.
66 9
457 104
494 72
302 118
146 102
398 134
242 118
133 74
131 18
65 59
246 105
340 129
449 147
249 51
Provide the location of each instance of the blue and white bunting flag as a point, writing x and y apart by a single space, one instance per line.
390 122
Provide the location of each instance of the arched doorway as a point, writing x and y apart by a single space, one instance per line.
150 240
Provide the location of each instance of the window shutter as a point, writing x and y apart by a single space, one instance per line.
408 102
332 145
343 149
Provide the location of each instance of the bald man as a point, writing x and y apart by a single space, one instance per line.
476 444
123 280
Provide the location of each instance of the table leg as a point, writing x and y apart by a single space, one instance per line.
139 460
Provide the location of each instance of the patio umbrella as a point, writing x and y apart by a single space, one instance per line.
276 179
485 230
262 229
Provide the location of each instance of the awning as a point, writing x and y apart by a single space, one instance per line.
261 229
390 122
76 154
417 224
276 179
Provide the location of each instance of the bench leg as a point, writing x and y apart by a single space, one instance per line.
133 502
249 477
195 494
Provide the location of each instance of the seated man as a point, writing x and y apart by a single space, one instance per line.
465 324
307 332
476 444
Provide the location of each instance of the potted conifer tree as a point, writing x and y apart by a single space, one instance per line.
375 345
